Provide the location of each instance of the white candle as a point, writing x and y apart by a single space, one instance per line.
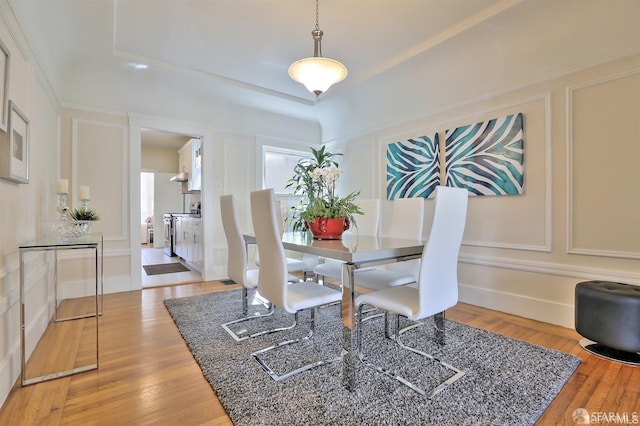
84 192
63 186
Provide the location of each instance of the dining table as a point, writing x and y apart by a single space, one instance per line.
353 251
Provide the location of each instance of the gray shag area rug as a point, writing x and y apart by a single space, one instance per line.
506 382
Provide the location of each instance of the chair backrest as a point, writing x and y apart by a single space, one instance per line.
272 281
438 279
279 216
368 223
407 217
279 221
237 257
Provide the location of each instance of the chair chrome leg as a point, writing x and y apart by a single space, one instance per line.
438 320
372 316
322 283
264 302
245 301
275 330
237 335
241 335
375 367
397 332
277 377
442 386
387 333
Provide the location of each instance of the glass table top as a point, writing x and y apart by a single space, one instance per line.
51 240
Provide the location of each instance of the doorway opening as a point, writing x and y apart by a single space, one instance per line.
160 196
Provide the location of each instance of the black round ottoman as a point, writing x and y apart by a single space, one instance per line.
608 314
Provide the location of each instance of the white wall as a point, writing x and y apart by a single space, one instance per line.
97 149
159 159
578 218
25 211
101 149
531 42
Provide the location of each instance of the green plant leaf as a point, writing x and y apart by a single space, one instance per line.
82 214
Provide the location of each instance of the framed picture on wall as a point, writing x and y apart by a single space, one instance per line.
4 86
14 147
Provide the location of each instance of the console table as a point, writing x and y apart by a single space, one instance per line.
91 242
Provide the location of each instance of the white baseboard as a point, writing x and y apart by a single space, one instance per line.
118 284
82 288
528 307
9 370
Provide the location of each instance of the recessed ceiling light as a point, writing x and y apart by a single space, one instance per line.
139 66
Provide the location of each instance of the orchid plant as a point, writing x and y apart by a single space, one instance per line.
316 179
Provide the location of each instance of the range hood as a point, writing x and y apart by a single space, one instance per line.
180 177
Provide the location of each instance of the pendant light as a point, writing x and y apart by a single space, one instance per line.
317 73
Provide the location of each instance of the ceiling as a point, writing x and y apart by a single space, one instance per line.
238 51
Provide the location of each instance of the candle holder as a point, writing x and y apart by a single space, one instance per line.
63 209
61 226
72 224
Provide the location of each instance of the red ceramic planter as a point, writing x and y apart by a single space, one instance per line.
328 228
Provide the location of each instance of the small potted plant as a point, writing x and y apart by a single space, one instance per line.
84 214
321 210
83 218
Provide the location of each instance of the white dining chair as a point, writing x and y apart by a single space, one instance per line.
436 289
272 280
407 217
366 224
293 264
238 271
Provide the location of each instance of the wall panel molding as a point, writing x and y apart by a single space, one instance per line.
443 125
368 145
122 234
570 236
247 171
546 246
548 268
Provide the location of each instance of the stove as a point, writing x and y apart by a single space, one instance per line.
169 234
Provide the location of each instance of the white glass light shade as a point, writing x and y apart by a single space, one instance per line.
317 73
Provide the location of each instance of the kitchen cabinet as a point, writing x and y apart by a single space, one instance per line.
195 177
197 249
190 161
185 164
188 240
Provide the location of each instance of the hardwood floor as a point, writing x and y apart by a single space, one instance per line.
148 376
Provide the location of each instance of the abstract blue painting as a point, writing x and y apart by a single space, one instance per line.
413 167
487 158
